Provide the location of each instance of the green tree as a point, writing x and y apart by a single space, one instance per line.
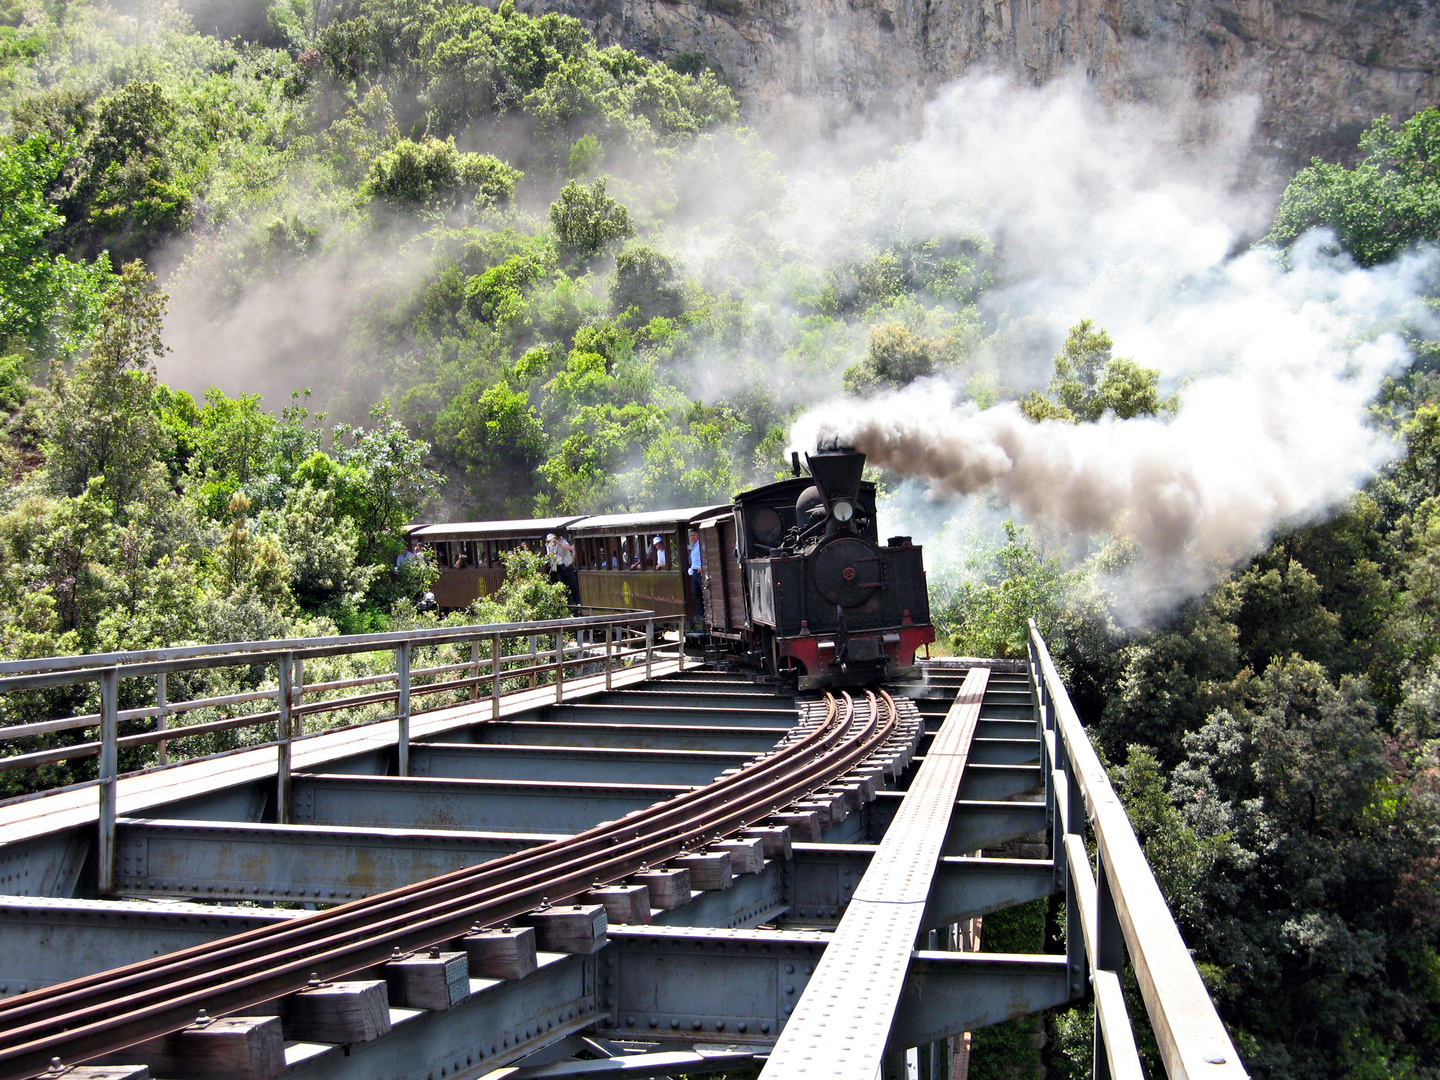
647 282
125 195
105 423
528 593
1315 974
434 175
986 613
496 441
321 549
1387 202
897 357
388 482
587 221
47 302
1089 382
693 461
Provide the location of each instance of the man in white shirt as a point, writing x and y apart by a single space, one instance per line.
659 546
697 588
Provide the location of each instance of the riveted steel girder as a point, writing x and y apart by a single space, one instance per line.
44 941
328 863
708 715
975 825
502 806
823 877
468 761
752 740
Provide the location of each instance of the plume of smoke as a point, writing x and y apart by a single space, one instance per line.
1274 429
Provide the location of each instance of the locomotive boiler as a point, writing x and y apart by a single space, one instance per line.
797 577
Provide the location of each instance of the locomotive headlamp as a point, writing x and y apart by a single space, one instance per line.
843 509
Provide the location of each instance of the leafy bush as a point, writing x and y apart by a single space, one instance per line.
434 174
587 221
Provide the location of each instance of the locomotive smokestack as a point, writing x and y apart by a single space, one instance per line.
837 473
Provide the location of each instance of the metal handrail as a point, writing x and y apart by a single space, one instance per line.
1116 908
627 636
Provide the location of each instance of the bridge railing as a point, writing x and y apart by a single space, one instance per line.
1114 908
465 663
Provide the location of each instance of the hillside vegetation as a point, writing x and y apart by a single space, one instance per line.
510 222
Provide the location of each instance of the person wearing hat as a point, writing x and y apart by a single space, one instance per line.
562 562
659 546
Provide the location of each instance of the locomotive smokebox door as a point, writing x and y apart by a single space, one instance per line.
847 572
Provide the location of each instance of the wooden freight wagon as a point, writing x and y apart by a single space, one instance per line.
618 562
468 553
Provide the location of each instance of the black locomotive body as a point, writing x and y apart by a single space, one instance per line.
799 576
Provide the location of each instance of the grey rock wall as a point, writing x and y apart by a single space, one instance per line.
1320 69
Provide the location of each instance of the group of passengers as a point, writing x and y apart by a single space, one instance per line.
638 556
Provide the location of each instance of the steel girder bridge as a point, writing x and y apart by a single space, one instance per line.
561 850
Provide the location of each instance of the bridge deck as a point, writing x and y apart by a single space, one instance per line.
765 944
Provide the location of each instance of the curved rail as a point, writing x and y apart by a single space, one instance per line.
110 1010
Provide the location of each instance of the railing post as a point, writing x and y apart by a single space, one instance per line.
161 708
534 658
680 650
1037 686
1074 927
402 708
559 666
109 769
494 675
649 646
297 695
609 637
284 670
475 669
1109 951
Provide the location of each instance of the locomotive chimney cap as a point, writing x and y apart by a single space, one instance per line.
837 473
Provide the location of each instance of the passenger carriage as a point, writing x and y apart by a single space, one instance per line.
617 561
468 553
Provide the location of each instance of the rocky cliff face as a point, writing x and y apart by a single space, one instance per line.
1320 69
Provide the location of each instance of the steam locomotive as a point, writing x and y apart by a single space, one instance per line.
795 579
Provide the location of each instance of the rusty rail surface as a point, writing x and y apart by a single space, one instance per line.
106 1012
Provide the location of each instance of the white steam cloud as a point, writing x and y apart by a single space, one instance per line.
1276 360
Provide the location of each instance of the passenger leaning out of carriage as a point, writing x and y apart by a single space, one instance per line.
697 588
561 555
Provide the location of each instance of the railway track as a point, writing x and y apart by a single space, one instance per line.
100 1014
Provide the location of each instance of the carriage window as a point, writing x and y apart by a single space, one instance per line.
442 555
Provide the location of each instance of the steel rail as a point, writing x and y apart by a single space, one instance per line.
108 1011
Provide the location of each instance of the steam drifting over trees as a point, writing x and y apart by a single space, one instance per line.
523 273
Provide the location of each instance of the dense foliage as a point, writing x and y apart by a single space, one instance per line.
503 214
1276 742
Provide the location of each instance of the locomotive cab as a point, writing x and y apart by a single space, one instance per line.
828 604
